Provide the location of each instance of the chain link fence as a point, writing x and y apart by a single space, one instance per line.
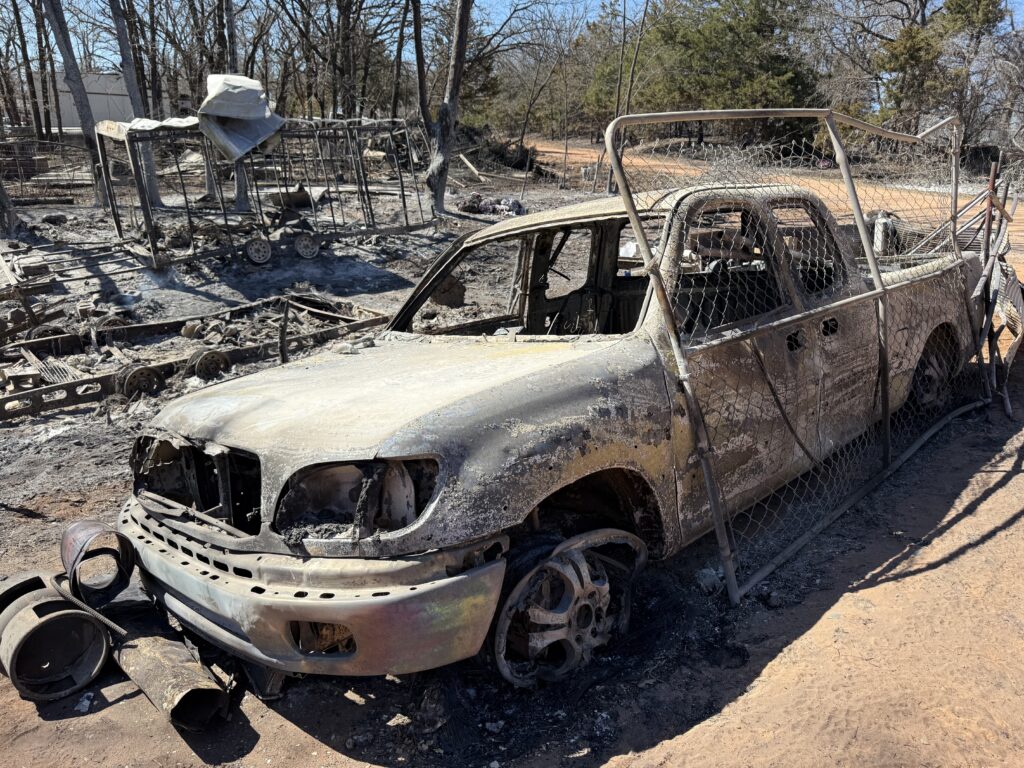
835 291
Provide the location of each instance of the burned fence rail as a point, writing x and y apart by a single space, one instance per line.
66 369
313 182
832 287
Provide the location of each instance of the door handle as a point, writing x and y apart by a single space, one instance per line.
830 326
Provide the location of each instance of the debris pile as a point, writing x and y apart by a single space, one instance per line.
57 632
54 367
505 206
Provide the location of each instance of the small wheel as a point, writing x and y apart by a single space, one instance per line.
306 246
111 321
65 344
140 380
565 608
211 364
258 251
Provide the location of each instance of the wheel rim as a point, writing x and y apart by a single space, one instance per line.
143 380
211 364
306 246
258 251
555 618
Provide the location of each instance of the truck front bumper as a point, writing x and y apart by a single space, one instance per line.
403 615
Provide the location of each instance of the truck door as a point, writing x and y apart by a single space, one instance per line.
847 335
754 368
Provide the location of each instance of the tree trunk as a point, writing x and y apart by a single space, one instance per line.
155 86
33 96
636 57
9 220
137 38
131 85
241 183
531 102
44 85
53 86
609 186
442 131
396 85
232 38
73 78
10 97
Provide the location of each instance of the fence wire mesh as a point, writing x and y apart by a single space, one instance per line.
38 172
822 281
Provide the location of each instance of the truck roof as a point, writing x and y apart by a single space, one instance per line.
613 207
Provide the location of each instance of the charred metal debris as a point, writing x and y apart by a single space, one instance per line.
70 360
311 184
233 180
57 632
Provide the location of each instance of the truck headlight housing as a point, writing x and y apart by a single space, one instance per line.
356 499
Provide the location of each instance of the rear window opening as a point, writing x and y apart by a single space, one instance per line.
726 269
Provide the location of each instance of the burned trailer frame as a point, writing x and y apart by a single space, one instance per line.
69 387
887 280
310 184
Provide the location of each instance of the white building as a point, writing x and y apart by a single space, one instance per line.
107 97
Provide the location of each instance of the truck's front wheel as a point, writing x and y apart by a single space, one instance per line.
566 601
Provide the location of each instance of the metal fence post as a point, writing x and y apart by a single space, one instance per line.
694 413
876 275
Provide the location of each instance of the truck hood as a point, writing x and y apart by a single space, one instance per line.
343 406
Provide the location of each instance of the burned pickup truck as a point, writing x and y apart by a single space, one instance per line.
490 473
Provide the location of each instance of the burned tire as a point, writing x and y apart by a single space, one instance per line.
562 602
931 387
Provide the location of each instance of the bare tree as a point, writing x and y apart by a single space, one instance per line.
131 85
441 130
73 78
396 87
231 35
37 123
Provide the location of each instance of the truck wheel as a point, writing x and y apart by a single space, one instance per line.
564 602
931 387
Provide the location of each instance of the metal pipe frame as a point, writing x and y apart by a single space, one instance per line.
339 131
831 120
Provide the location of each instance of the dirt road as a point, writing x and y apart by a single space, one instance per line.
646 172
